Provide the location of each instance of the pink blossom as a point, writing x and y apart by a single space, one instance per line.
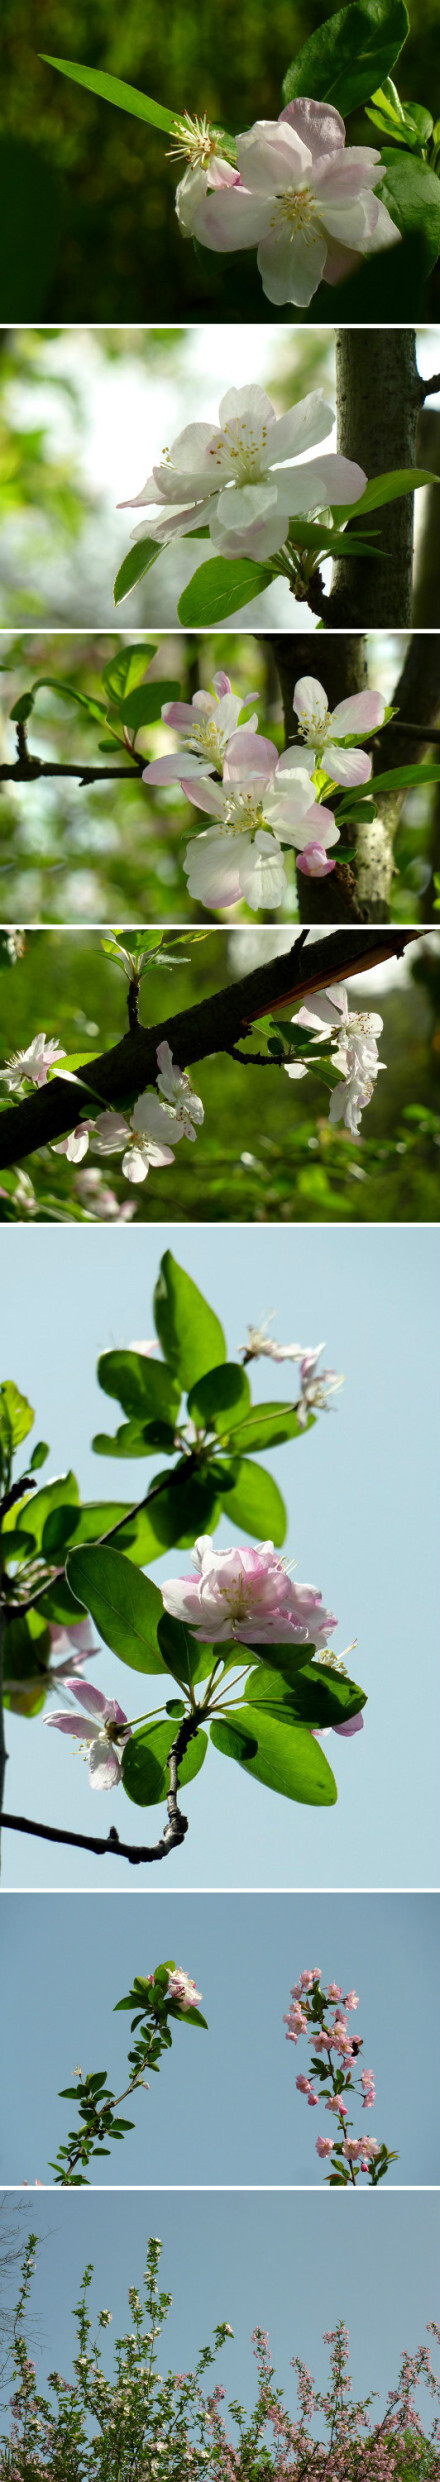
304 201
324 2145
104 1726
34 1064
314 862
247 1595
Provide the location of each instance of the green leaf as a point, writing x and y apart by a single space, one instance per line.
412 194
146 1391
26 1648
126 670
189 1332
144 706
145 1763
135 1439
283 1756
180 1650
16 1417
135 566
255 1503
388 487
312 1694
349 55
114 90
267 1426
124 1605
221 587
215 1399
39 1455
38 1509
397 776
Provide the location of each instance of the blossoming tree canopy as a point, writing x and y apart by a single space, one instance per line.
312 205
237 1645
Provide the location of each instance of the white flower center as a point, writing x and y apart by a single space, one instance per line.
243 814
296 208
207 738
314 728
240 451
196 140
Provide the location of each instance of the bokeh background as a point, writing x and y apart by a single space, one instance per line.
85 414
81 853
98 183
266 1151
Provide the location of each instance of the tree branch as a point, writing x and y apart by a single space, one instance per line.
28 771
378 392
210 1025
100 1844
417 696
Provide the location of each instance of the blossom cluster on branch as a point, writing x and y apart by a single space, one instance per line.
335 2052
137 2421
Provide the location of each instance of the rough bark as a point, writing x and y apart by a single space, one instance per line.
378 398
212 1025
426 600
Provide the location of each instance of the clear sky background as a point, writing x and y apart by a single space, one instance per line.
224 2106
362 1491
291 2263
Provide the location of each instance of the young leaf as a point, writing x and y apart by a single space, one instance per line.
16 1417
411 191
144 705
350 55
266 1426
125 1606
388 487
218 1397
397 776
114 90
135 566
189 1331
221 587
282 1756
126 670
255 1503
145 1390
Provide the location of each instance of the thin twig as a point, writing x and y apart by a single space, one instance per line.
28 770
100 1844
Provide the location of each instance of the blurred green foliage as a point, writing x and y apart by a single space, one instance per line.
115 850
266 1152
120 255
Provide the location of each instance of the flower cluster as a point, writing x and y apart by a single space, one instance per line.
263 802
355 1055
175 1111
297 194
248 1596
335 2051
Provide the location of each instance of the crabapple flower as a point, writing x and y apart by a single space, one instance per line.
76 1145
254 814
324 2145
94 1194
33 1064
142 1137
182 1990
104 1728
246 1595
243 479
205 727
356 1054
316 1385
304 200
209 167
351 2000
259 1342
313 862
324 734
177 1089
71 1644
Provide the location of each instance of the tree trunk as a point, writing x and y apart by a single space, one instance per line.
426 605
378 398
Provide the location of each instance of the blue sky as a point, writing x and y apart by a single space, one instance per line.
362 1492
244 1953
291 2263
